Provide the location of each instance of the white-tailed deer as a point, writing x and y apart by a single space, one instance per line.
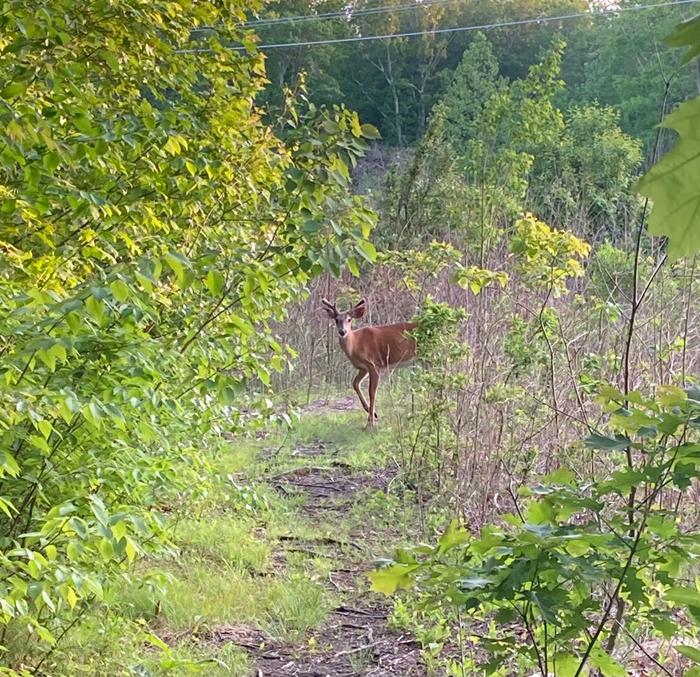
371 349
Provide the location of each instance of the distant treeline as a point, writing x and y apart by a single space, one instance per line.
616 60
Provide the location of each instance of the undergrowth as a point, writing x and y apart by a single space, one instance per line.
226 567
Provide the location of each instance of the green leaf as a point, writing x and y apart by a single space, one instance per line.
96 308
40 443
389 580
311 226
45 428
686 34
473 582
47 358
8 464
156 641
352 266
45 634
13 89
172 145
51 161
684 596
689 652
370 132
665 626
355 125
69 595
119 530
98 509
75 550
7 507
673 184
606 664
84 124
120 290
78 525
367 251
215 282
671 396
92 413
130 549
595 441
453 536
179 265
567 664
106 549
110 59
546 607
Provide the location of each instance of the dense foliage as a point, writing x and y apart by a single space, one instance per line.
614 61
151 227
592 556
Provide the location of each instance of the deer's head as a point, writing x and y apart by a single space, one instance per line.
344 320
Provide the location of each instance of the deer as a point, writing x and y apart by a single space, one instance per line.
371 349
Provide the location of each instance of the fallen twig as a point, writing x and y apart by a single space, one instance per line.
342 609
364 647
325 540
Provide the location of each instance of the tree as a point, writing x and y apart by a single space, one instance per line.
152 226
622 62
470 172
582 178
396 83
475 81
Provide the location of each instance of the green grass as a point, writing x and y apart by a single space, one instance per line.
224 542
285 605
236 457
225 574
112 645
343 436
229 566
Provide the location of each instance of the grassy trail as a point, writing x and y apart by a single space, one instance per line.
269 578
331 472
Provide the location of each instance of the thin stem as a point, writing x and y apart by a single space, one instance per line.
637 300
685 320
633 551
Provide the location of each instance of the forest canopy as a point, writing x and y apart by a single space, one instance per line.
616 60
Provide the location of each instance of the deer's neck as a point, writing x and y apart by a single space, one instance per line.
346 343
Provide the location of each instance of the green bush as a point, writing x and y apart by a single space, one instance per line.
151 227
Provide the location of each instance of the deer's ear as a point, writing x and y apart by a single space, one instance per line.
329 308
359 310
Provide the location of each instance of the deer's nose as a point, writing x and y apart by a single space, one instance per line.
342 333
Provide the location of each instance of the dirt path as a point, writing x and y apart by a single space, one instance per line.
356 638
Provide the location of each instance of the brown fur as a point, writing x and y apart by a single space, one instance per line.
379 346
371 349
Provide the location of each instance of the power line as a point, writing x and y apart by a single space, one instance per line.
455 29
347 13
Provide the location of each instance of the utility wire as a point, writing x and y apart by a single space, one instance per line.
347 13
455 29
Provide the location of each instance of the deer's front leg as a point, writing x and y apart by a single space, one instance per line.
356 383
360 376
373 383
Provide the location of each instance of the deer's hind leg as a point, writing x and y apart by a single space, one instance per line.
356 382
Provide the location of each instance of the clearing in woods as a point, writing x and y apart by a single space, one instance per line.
269 577
271 581
336 489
